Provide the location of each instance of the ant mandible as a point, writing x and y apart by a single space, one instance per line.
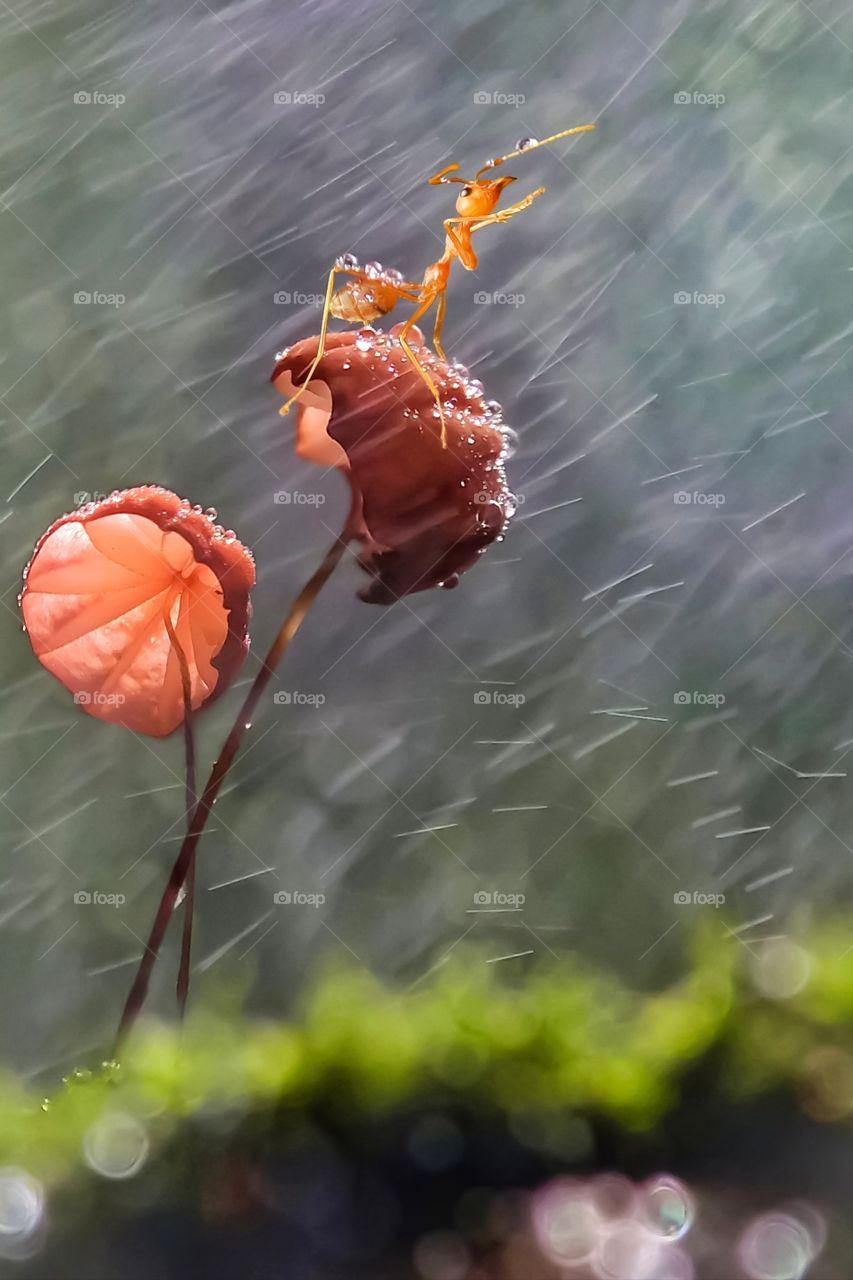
373 291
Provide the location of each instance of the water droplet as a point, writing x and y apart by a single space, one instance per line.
116 1145
348 261
510 445
21 1212
782 969
210 512
365 339
628 1252
374 268
198 508
775 1246
667 1208
524 144
565 1223
392 274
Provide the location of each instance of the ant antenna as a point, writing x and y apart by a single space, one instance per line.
441 176
525 145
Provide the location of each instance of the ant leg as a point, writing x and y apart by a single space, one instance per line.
439 321
504 215
321 347
462 244
416 364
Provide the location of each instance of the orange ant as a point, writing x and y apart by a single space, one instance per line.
374 290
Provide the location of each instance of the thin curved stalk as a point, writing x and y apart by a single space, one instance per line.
183 984
289 627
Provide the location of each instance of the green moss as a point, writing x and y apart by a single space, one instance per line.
568 1043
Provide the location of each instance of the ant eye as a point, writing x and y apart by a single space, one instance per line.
466 191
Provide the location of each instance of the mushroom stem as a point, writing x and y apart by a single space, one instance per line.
183 984
289 627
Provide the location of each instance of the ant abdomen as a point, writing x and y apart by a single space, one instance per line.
361 301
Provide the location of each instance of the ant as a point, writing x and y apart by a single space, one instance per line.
374 290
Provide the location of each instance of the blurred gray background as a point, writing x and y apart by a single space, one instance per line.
698 449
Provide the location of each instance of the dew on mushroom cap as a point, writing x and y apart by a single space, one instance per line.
428 511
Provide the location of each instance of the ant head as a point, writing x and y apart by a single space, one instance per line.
478 196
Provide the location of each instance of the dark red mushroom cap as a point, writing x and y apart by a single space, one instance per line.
428 512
